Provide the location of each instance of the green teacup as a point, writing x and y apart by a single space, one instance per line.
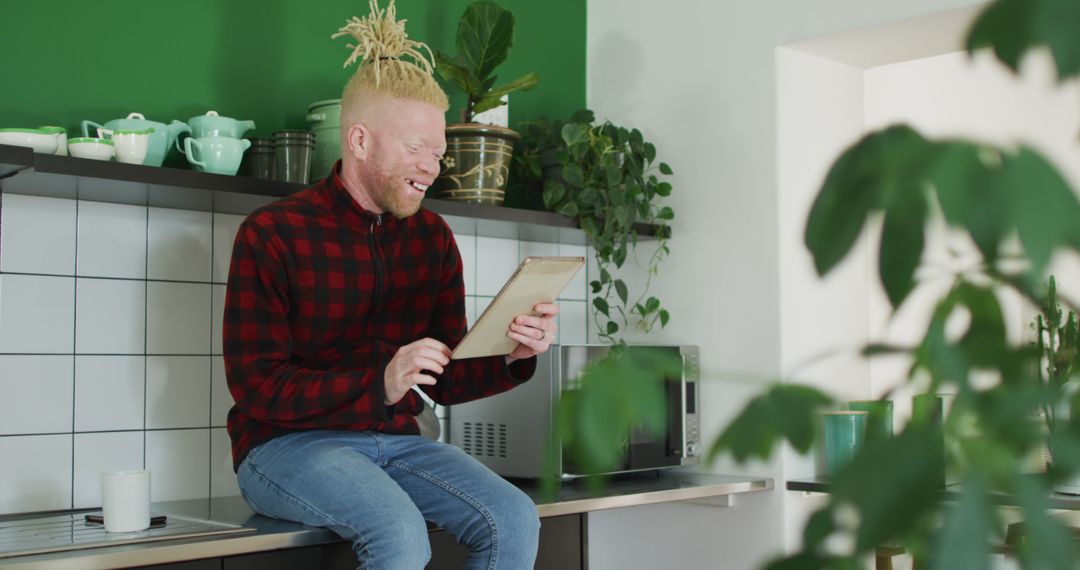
844 434
880 421
218 155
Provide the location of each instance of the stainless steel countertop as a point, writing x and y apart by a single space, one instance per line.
270 534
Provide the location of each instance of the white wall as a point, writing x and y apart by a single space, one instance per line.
700 79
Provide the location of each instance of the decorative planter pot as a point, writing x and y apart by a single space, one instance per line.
477 163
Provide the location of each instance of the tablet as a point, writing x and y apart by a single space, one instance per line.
537 280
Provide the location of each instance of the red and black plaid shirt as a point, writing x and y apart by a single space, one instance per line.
321 294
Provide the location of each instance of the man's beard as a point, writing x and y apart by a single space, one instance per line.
389 198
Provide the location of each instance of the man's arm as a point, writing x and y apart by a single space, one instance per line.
258 349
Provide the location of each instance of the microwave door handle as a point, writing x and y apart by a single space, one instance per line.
684 453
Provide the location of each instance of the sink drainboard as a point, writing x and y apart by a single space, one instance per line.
70 531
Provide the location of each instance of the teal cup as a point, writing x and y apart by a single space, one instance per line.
844 433
217 155
880 420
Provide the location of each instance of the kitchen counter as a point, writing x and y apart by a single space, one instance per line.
269 534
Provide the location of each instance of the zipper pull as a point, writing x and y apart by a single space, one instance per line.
378 220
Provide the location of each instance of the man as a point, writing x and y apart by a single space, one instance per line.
341 299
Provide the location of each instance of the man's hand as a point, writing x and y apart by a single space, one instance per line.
407 367
535 334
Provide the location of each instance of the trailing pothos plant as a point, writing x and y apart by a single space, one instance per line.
608 179
891 490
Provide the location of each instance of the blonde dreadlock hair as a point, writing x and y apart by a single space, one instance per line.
383 45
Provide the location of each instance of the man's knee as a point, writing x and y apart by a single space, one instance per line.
402 542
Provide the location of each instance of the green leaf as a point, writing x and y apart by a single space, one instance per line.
612 327
569 209
553 193
902 246
452 69
865 177
963 540
596 286
666 213
664 318
759 427
1045 208
665 169
493 98
636 140
652 304
1048 544
650 154
613 174
601 305
620 288
575 134
605 276
619 255
1014 27
573 175
962 174
663 189
583 116
913 462
484 37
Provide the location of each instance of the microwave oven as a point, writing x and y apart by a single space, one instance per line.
510 432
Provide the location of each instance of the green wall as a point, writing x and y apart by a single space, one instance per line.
266 60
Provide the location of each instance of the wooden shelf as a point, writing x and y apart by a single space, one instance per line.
24 172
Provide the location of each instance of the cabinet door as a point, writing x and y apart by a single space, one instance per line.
561 546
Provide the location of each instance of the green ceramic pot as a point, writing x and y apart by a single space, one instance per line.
325 119
477 163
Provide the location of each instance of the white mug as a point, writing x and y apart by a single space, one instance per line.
125 500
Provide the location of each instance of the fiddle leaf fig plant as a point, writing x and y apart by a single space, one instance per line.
484 36
608 179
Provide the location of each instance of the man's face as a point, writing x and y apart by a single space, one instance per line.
407 142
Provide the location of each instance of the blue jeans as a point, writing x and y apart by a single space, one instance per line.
378 491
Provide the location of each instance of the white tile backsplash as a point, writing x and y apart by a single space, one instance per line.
37 314
222 478
42 481
178 318
112 240
109 392
97 453
180 242
578 288
36 394
110 316
221 399
574 318
496 260
467 248
217 315
179 464
38 235
225 227
537 249
177 392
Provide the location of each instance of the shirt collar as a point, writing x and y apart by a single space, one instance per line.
336 198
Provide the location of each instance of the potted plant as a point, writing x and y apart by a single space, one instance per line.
477 161
607 178
891 490
1057 342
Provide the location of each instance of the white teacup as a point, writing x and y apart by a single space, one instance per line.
131 145
94 149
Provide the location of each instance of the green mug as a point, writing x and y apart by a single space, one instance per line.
217 155
845 432
880 420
